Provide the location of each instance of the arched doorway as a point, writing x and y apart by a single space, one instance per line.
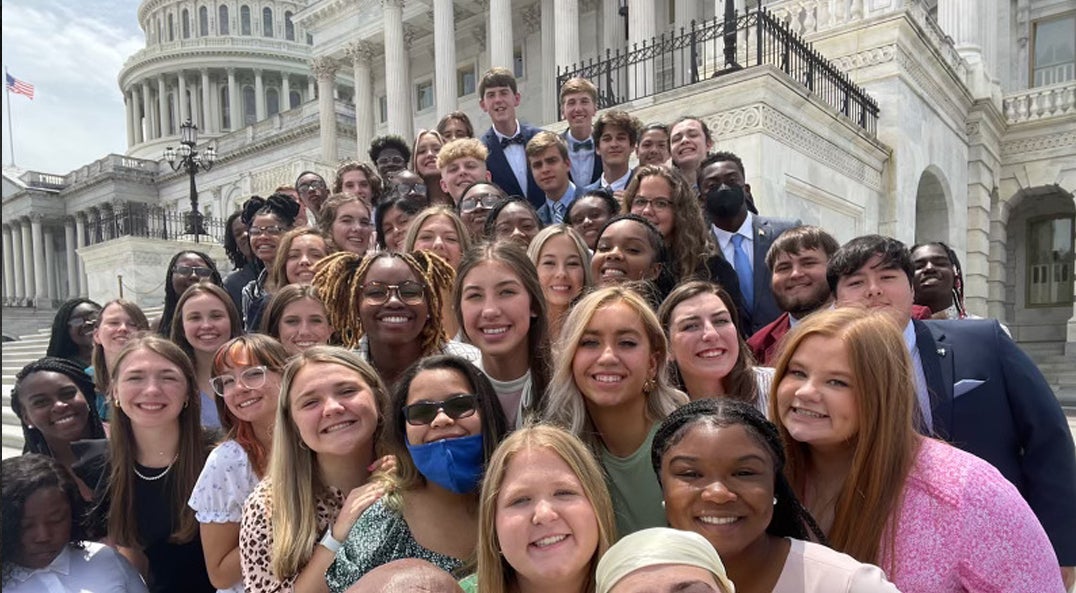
932 199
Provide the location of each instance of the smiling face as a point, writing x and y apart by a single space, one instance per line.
265 232
560 271
517 222
439 235
394 228
624 253
45 528
615 147
206 324
689 144
352 227
389 162
114 329
437 385
53 404
305 251
877 287
500 104
496 311
393 322
150 389
546 527
256 406
703 340
719 483
334 409
356 182
303 324
181 282
613 359
475 219
934 275
457 175
653 148
799 281
653 202
426 156
578 110
589 215
817 398
454 130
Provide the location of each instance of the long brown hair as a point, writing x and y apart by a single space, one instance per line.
100 365
886 444
191 455
278 273
179 337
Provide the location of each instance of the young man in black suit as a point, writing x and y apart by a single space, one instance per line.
507 138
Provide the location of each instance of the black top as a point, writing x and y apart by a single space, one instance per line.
173 568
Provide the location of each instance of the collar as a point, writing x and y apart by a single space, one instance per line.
572 141
909 336
501 136
570 191
617 183
725 237
61 564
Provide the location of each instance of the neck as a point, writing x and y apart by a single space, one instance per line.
582 133
434 193
612 172
556 321
560 192
345 472
827 470
575 583
799 314
699 387
203 369
263 432
622 429
508 367
466 503
391 361
61 452
508 128
156 447
754 567
938 304
733 223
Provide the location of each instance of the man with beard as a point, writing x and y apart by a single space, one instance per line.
798 259
743 238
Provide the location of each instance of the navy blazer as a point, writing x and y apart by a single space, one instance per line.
989 398
765 309
597 173
501 172
546 215
598 183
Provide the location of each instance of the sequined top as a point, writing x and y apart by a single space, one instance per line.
379 536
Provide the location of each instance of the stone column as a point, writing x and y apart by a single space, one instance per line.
38 249
162 107
444 55
233 101
259 95
136 117
207 111
9 266
361 54
80 242
181 98
612 27
147 113
397 82
27 261
72 257
310 94
500 33
51 281
325 69
285 92
550 109
642 26
18 270
130 112
566 15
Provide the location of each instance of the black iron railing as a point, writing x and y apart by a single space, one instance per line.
136 219
708 49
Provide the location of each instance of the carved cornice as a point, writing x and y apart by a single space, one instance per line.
324 67
532 18
1038 144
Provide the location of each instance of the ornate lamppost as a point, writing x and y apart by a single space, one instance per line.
186 157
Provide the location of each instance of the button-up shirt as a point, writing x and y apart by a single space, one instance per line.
582 160
96 567
516 154
724 241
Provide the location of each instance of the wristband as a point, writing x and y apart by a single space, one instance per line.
330 542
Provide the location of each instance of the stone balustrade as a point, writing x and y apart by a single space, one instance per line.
1040 103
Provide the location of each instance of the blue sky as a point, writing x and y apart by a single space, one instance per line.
72 52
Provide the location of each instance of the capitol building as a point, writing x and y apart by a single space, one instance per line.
950 120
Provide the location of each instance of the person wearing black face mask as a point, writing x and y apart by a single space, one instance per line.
743 238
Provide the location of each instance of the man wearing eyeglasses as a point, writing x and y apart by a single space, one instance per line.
390 154
547 155
313 192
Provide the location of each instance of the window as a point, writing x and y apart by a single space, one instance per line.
244 20
171 28
1049 261
222 20
309 39
272 102
225 108
250 109
289 27
203 22
1054 58
383 109
295 99
186 24
267 22
466 80
517 61
424 95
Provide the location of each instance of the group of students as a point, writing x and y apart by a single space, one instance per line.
418 371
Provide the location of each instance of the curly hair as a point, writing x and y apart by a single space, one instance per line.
381 143
280 205
33 440
377 186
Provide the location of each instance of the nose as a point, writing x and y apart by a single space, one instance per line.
806 391
441 419
332 406
517 233
709 332
717 491
543 512
607 355
648 207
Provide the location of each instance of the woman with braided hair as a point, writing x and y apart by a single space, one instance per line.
386 306
719 463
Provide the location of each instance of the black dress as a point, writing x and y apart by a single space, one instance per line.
173 567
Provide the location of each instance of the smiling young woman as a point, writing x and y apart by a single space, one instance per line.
563 263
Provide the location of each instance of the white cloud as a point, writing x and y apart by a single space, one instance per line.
72 52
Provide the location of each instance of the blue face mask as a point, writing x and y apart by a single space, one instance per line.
454 464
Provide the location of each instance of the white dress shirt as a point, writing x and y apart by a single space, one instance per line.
96 568
617 185
724 241
582 161
516 154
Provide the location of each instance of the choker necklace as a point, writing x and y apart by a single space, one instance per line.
158 476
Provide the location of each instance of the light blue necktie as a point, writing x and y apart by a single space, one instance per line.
743 271
558 212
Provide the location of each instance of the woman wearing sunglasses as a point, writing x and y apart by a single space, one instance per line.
444 423
386 306
246 382
186 269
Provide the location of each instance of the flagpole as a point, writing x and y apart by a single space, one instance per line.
10 136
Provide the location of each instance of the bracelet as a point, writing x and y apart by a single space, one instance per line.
330 542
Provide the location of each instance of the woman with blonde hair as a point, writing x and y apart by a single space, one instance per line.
439 230
157 450
542 485
563 263
609 388
118 322
844 399
329 419
424 163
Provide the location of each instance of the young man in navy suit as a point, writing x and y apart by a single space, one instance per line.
616 133
743 238
578 104
975 387
507 138
547 155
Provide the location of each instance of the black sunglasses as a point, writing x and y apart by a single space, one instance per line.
455 407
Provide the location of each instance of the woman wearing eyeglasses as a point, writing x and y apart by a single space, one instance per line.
246 381
444 423
267 221
392 318
72 331
186 269
475 204
313 191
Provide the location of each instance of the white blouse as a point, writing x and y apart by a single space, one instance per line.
95 568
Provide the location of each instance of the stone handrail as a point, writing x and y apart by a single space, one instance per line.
112 162
1040 103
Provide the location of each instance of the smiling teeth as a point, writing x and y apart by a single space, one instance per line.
394 319
340 426
65 420
719 520
809 413
711 354
250 402
607 378
151 407
549 541
494 331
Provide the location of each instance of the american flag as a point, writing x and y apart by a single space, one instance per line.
19 87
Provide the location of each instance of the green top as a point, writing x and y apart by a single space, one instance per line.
634 488
469 584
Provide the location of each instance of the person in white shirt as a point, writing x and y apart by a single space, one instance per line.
616 134
578 103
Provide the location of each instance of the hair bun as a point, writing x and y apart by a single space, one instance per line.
250 208
284 205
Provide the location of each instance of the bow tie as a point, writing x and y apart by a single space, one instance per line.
587 144
517 139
